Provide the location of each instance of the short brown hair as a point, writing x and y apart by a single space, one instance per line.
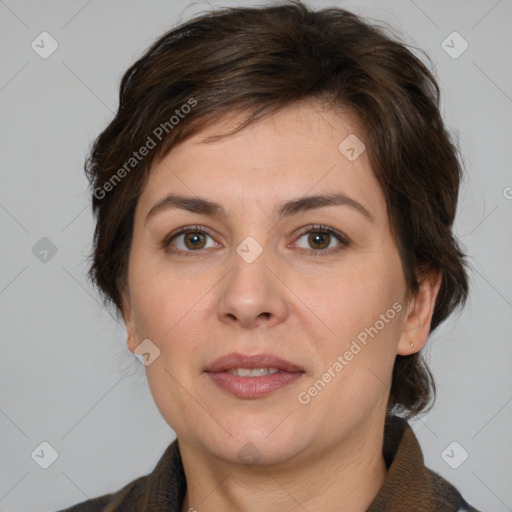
258 61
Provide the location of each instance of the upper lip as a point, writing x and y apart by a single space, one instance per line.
237 360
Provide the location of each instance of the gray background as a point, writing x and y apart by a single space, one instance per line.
66 376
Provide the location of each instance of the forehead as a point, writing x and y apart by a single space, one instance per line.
302 150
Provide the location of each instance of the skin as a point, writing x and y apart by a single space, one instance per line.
301 306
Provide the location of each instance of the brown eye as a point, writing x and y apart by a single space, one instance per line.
320 240
187 241
194 240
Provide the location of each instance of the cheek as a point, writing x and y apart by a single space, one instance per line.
361 305
172 315
354 373
352 297
163 301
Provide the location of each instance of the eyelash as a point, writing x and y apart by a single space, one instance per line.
309 229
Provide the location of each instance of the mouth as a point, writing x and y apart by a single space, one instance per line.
252 376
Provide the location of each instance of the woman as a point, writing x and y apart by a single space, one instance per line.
274 202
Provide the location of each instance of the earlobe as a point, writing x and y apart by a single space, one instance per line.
420 309
130 342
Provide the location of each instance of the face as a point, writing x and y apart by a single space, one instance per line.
315 284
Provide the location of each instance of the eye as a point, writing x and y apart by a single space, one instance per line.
192 239
321 237
188 240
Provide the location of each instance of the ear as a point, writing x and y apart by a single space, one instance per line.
132 340
419 315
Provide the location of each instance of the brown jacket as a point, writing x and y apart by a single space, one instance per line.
409 486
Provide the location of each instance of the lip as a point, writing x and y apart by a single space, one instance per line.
237 360
253 387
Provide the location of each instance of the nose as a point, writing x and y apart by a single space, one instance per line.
253 295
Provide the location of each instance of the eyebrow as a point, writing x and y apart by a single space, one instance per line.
285 209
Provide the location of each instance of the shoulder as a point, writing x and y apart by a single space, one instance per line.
445 495
162 489
112 501
409 482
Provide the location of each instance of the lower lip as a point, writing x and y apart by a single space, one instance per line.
253 387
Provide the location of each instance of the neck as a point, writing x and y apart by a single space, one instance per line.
346 477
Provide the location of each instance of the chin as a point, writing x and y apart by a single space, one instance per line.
267 443
253 452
